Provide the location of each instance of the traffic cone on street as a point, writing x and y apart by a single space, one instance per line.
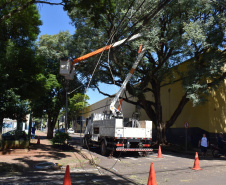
152 178
67 177
196 163
38 142
160 152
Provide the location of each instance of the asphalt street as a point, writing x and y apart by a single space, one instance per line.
127 169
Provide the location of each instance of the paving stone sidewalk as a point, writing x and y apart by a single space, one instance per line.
44 152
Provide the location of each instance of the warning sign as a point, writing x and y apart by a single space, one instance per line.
186 125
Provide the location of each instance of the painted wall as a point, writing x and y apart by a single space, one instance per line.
210 116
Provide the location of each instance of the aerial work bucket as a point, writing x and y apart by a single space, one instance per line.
65 67
71 74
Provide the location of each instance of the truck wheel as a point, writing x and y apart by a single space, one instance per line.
103 148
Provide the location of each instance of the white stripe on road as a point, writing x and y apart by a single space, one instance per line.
167 155
131 158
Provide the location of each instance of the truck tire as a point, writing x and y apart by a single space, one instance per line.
103 148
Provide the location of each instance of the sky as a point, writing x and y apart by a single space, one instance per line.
55 19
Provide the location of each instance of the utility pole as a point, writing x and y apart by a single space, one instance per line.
66 108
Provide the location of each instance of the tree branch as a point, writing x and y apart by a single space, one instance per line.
45 2
183 102
23 7
125 99
101 92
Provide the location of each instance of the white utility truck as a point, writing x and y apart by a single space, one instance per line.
114 134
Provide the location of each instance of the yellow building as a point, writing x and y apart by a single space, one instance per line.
209 118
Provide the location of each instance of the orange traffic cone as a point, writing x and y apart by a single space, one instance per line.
67 177
38 142
196 163
152 178
160 152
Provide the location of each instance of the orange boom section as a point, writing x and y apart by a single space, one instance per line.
119 107
91 54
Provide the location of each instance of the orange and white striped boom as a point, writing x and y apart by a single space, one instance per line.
114 110
104 49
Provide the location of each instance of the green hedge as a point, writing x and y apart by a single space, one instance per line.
60 138
14 144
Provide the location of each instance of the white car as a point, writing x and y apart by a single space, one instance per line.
70 131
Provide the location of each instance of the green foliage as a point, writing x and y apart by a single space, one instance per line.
91 9
18 65
54 46
76 104
12 106
60 138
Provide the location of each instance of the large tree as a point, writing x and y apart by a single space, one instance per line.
181 30
18 66
50 49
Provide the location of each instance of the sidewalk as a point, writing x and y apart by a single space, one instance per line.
26 159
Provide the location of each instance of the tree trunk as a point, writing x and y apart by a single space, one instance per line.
1 125
50 129
52 119
29 129
161 133
160 125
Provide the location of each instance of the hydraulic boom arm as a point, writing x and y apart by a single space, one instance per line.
104 49
114 110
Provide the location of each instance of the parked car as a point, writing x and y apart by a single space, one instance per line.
14 135
70 131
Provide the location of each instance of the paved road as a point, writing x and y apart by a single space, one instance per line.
130 169
170 170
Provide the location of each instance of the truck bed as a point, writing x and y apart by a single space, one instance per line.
115 128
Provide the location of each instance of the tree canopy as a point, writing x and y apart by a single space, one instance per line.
50 49
18 65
